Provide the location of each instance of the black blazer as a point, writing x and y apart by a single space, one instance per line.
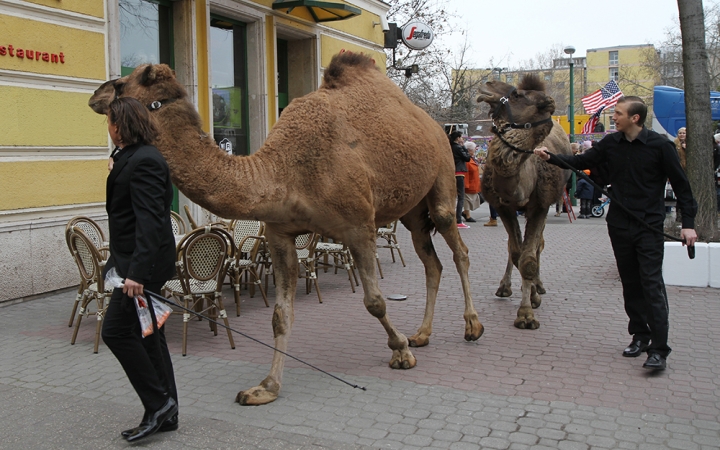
139 195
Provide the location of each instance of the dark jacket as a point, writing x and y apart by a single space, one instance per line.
638 171
461 156
139 195
584 190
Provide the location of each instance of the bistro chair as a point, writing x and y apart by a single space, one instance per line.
178 224
92 231
202 261
190 217
90 262
305 249
388 233
247 236
342 259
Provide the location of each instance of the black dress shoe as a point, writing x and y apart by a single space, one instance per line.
635 348
470 219
655 362
154 421
169 425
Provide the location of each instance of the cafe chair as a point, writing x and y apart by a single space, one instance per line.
202 261
191 219
247 236
342 259
388 233
90 262
178 224
92 231
305 249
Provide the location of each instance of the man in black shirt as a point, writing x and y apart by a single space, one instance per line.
639 162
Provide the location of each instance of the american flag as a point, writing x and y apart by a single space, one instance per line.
593 120
607 97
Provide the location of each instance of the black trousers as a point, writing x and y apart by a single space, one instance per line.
146 361
639 256
460 182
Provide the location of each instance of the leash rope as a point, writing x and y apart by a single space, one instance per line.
172 303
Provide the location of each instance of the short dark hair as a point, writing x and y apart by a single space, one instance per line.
133 120
636 105
454 135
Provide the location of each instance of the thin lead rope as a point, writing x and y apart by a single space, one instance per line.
172 303
581 174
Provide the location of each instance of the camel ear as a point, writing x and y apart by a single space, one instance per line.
149 75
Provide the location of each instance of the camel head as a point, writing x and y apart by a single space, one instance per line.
148 83
523 105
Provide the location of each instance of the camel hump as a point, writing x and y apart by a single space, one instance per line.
343 65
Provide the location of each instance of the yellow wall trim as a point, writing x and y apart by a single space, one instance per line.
270 61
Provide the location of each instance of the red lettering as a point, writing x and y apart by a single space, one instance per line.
3 50
37 55
20 53
30 54
412 31
62 58
46 56
10 50
54 58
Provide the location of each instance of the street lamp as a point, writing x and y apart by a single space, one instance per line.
569 50
496 69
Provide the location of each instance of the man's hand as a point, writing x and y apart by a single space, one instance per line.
132 288
542 153
688 236
111 163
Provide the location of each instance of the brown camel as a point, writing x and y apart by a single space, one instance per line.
516 180
341 161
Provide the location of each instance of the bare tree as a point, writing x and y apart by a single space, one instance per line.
697 111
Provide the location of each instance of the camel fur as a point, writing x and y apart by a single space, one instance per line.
517 181
341 161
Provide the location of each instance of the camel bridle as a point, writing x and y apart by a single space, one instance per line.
511 124
152 106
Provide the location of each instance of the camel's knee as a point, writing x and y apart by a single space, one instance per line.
271 385
375 305
443 222
529 267
279 321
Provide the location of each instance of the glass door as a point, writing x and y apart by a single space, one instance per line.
228 54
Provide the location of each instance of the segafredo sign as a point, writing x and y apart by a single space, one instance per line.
417 35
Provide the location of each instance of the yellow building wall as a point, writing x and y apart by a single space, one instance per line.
88 7
83 51
331 47
38 117
34 184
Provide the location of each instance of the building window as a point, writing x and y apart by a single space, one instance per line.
509 79
613 59
614 73
612 124
548 77
145 34
228 52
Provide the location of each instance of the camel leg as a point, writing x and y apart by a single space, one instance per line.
362 244
539 287
529 270
282 251
512 227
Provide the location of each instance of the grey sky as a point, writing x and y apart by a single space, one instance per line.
511 31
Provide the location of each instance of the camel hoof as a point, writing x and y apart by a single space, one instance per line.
535 301
255 396
539 288
526 320
402 360
473 330
419 340
503 291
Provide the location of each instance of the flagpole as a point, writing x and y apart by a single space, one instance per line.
569 50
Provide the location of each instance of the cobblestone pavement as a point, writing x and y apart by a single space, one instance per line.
563 386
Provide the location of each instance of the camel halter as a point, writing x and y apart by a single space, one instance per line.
157 104
500 131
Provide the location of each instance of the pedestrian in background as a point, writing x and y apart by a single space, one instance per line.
473 199
584 191
461 157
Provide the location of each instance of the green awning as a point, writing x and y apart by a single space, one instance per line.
320 11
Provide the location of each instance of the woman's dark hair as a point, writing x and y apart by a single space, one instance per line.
133 120
454 135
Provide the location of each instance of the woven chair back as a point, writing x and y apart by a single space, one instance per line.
87 257
244 228
204 253
303 245
178 224
90 228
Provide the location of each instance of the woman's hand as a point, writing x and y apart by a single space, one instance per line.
132 288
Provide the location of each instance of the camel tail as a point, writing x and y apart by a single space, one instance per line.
342 66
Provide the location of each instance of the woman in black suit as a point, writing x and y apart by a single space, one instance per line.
142 251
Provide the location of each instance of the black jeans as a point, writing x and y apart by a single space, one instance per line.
146 361
639 256
460 182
